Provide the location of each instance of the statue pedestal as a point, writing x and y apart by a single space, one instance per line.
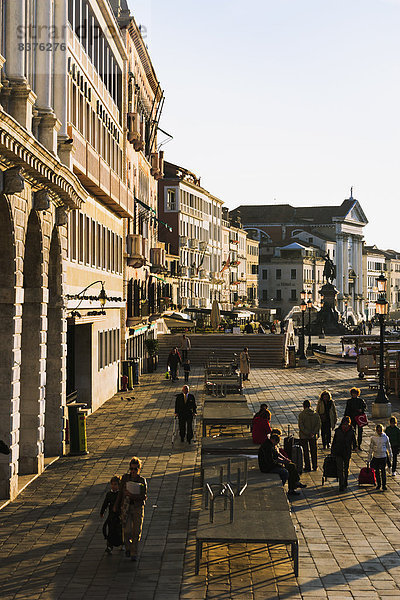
382 410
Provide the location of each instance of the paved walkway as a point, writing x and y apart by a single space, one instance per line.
52 547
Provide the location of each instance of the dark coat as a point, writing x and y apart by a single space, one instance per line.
174 359
109 502
185 408
354 407
267 456
343 442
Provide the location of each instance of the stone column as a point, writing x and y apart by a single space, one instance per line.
48 123
20 96
345 264
60 80
339 266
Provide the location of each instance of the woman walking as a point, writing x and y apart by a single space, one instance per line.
244 360
327 413
378 451
131 499
354 408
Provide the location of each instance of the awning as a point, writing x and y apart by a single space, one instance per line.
146 206
153 213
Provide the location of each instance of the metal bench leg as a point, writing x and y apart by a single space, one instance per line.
295 557
198 556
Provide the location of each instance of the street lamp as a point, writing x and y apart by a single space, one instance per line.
309 347
381 310
346 303
302 356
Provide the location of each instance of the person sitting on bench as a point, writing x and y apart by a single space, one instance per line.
269 461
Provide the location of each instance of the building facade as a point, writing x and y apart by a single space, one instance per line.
39 188
194 218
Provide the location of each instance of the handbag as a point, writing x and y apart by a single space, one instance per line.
361 420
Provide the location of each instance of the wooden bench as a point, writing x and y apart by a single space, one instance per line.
261 515
229 413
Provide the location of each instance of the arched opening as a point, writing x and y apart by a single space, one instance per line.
56 351
33 353
9 358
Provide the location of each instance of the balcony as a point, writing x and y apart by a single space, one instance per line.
203 246
157 259
183 271
134 251
183 240
203 273
193 272
157 165
194 244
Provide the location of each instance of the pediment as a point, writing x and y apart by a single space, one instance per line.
356 214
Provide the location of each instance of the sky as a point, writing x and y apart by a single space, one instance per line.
283 101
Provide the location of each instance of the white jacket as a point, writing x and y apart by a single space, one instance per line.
379 447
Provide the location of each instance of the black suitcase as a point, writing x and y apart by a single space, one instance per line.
288 443
298 457
329 468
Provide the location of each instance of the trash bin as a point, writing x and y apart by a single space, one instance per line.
77 428
135 367
291 356
124 383
128 372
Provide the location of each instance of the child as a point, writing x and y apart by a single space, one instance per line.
393 433
112 530
186 368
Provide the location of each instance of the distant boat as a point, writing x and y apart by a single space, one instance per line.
328 358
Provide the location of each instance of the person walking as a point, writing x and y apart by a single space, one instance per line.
309 426
185 409
173 362
130 502
393 433
112 531
326 410
186 345
379 449
342 445
355 406
270 461
244 363
369 327
186 369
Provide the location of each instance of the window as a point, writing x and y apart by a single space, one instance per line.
293 294
278 274
254 269
278 294
265 295
171 200
293 274
265 274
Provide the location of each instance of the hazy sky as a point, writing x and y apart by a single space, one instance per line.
284 101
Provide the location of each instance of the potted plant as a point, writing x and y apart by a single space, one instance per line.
152 351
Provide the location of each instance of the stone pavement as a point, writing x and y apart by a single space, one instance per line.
51 542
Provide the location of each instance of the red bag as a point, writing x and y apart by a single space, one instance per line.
361 420
367 476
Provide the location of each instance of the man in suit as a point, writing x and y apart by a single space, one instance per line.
185 408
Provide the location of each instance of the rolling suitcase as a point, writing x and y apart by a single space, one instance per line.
329 469
367 476
298 457
288 442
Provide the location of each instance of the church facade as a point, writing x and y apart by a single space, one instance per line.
336 231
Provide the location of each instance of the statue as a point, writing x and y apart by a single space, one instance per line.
329 269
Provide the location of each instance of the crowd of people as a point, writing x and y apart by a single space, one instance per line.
321 422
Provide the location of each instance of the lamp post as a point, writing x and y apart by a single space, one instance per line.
346 303
302 357
381 407
309 347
